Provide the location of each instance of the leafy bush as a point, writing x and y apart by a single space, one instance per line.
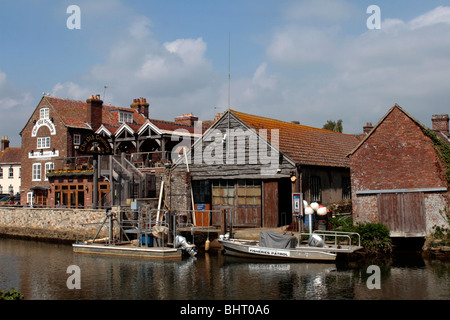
342 223
374 237
10 294
440 236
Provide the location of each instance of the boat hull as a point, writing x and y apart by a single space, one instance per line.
253 250
128 250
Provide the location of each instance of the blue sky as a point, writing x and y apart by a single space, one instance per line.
310 61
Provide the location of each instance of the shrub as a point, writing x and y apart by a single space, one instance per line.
342 223
374 237
10 294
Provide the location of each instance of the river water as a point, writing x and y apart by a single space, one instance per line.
39 271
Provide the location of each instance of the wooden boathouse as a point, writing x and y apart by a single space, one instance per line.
251 165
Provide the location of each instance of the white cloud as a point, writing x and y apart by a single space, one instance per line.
173 75
140 29
439 15
70 90
312 72
296 44
358 77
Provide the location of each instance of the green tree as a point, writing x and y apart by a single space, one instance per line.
333 125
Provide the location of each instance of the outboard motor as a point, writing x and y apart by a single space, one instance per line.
180 241
315 241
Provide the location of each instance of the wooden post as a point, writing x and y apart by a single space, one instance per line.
224 221
95 182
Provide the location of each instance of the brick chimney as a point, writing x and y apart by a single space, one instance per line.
440 124
186 119
368 127
94 111
141 106
4 143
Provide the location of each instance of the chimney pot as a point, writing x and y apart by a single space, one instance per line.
440 123
94 111
368 127
4 143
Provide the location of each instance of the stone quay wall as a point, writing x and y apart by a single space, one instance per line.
52 224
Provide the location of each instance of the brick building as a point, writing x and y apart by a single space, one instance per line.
55 173
398 177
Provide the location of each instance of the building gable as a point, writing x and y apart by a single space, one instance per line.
396 155
230 149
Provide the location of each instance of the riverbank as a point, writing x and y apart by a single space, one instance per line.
50 224
63 225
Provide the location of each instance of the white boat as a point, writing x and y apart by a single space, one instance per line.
283 247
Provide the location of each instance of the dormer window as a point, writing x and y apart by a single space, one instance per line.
44 113
125 117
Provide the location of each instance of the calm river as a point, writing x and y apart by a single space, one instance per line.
39 271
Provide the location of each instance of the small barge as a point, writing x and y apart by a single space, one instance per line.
150 238
274 246
128 250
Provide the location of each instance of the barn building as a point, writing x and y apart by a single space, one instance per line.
400 174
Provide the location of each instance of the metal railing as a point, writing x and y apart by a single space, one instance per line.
146 160
337 235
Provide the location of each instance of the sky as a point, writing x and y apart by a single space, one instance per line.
309 61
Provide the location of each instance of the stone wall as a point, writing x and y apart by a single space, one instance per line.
63 225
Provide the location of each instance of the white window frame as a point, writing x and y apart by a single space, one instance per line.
77 139
43 142
48 166
44 113
30 198
11 173
125 117
37 172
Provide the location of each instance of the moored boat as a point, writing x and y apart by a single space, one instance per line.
283 247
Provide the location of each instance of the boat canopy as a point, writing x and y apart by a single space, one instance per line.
272 239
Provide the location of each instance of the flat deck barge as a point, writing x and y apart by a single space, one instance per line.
128 250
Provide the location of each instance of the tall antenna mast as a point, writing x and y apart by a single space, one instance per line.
229 80
229 72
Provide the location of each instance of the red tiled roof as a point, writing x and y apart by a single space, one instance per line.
74 114
170 125
11 155
306 145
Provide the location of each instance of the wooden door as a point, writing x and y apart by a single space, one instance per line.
270 204
402 213
413 214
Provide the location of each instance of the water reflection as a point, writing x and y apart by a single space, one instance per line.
39 270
